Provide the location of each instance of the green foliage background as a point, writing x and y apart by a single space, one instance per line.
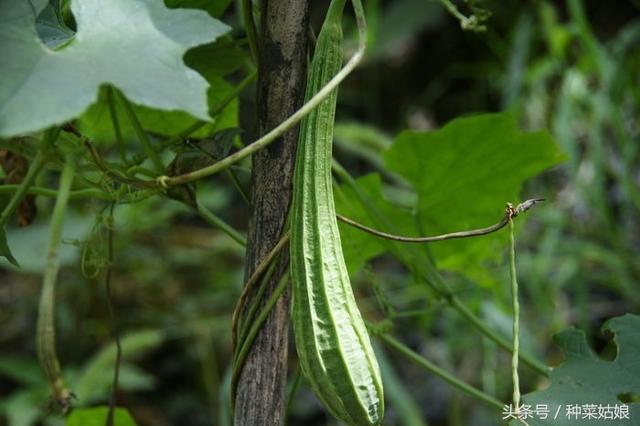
562 84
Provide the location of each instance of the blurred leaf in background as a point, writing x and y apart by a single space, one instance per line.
97 417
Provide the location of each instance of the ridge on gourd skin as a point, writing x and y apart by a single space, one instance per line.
333 346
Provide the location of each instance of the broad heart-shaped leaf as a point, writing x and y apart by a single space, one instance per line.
464 173
97 416
584 383
136 45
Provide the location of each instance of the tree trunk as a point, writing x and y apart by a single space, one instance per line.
260 397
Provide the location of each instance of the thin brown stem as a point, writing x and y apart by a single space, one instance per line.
509 213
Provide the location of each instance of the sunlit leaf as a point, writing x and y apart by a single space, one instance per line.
40 87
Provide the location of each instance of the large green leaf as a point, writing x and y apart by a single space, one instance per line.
464 174
135 45
586 385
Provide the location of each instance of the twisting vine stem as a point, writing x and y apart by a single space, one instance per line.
45 336
241 326
246 343
260 270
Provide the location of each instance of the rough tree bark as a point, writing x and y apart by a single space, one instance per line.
260 397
